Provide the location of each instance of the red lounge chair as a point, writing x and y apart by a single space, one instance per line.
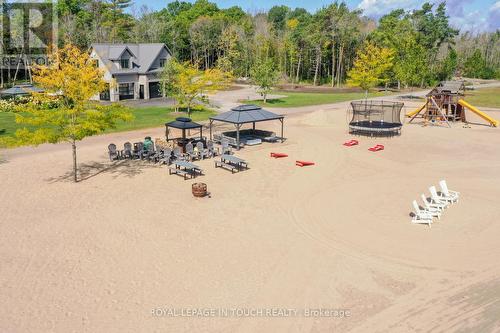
303 163
351 143
376 148
278 155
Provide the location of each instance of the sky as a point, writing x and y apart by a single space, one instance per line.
475 15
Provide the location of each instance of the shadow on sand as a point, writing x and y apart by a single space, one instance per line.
127 168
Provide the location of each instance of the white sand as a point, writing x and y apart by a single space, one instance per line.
100 255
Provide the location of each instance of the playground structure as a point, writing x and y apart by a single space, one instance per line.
445 104
376 118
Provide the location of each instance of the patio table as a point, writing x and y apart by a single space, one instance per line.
231 159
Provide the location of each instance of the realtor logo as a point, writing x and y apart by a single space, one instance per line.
28 28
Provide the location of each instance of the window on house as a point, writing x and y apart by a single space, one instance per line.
124 63
126 90
163 62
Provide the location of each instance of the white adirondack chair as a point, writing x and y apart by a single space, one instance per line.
421 217
437 199
432 205
448 193
432 209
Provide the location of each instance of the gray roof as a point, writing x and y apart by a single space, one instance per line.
453 87
246 114
143 55
183 123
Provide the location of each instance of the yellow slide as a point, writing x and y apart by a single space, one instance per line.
411 114
483 115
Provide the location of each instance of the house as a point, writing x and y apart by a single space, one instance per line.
134 68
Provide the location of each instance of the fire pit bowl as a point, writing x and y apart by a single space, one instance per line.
199 190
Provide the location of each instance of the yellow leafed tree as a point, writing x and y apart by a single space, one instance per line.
189 85
370 66
63 112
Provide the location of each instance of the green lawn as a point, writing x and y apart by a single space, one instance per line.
296 99
488 97
143 118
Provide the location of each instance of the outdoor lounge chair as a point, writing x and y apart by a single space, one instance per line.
431 205
421 217
127 150
158 154
224 147
448 193
211 149
178 155
167 156
190 154
432 210
113 153
436 198
145 154
137 152
202 151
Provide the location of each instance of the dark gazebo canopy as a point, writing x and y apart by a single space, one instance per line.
246 114
183 124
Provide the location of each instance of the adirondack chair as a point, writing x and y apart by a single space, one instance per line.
445 192
202 151
211 149
137 152
225 148
146 153
178 155
167 156
190 153
421 216
113 153
127 150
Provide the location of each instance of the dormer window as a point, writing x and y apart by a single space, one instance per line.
163 62
124 63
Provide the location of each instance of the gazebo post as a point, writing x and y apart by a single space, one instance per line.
166 132
253 126
281 121
238 135
211 122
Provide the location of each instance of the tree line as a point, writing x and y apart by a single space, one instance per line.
318 48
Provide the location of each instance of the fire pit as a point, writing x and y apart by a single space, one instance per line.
199 190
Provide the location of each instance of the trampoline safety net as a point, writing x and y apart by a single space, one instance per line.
376 117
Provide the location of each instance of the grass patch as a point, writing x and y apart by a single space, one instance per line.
488 97
144 117
147 117
297 99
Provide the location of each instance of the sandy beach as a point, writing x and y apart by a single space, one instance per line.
116 251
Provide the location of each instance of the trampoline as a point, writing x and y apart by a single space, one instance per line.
375 118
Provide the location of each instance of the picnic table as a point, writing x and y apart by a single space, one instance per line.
231 162
184 169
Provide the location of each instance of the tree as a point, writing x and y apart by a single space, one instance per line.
119 22
189 85
448 66
371 64
265 76
68 117
475 66
411 67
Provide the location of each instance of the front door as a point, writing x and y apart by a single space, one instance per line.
141 91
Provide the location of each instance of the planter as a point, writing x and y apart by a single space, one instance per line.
199 190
